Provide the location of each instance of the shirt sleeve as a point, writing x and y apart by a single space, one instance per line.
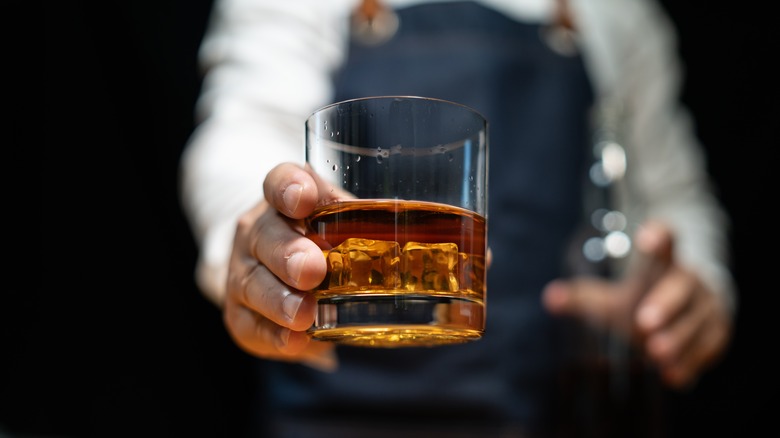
266 66
631 51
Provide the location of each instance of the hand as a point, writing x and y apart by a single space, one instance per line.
665 309
267 309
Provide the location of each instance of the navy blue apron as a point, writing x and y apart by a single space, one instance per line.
536 102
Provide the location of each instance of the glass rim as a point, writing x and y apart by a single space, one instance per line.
398 96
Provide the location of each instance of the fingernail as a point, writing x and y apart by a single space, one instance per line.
291 304
292 196
295 264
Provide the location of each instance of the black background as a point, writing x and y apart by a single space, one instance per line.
106 335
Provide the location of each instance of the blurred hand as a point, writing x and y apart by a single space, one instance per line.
670 315
267 309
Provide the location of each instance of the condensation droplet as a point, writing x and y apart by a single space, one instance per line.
381 154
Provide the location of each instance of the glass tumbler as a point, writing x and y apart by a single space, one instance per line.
401 221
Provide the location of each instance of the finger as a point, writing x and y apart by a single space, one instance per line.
593 300
654 243
260 291
686 348
671 296
685 371
670 318
253 285
296 260
649 262
291 190
261 337
655 237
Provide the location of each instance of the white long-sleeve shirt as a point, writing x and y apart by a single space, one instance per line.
268 65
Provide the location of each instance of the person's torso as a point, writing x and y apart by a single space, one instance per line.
536 102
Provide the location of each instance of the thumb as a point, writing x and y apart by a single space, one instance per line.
592 300
655 237
654 244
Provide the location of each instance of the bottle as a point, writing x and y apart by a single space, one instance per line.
605 388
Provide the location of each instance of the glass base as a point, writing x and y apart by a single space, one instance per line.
398 320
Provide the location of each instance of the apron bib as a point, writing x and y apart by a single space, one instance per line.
536 102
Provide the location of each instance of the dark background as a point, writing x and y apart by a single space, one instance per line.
108 336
